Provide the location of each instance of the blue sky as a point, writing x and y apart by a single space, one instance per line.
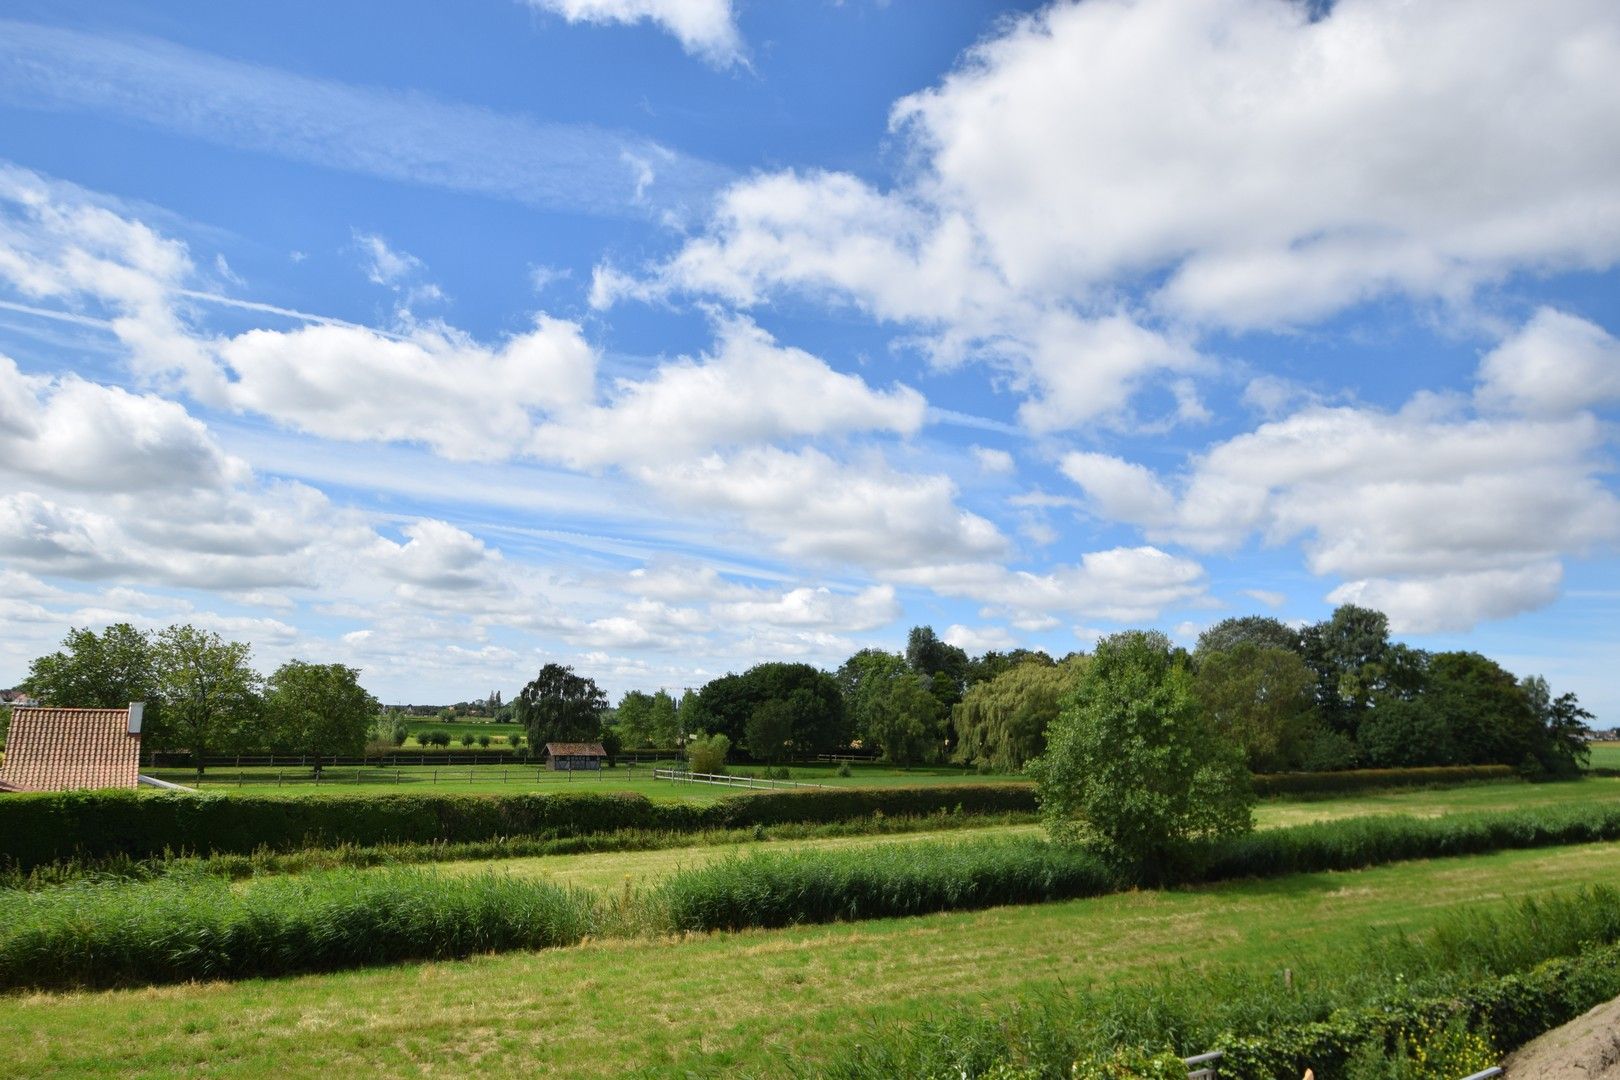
661 337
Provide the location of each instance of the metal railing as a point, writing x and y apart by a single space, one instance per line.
1202 1067
727 781
1207 1061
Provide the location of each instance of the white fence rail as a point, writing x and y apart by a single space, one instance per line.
727 781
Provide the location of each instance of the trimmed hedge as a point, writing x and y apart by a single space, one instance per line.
1362 779
37 829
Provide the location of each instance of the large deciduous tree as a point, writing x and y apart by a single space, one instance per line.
97 671
319 709
726 705
905 720
559 706
942 667
1133 768
210 693
1488 714
1259 631
1346 652
1001 724
1565 728
633 719
1260 697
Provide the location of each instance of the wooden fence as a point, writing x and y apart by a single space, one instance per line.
681 776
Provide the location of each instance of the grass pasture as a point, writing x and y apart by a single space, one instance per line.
755 1002
719 1004
534 777
610 870
1605 755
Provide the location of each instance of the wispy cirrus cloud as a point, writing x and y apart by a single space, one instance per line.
394 134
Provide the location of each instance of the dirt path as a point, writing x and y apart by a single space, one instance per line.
1586 1048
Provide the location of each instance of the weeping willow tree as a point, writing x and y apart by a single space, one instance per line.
1002 723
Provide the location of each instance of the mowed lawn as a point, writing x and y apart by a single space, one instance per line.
495 779
748 1003
611 870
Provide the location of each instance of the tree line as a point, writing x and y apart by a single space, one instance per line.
1336 694
203 695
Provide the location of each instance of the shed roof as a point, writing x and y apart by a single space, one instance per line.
65 749
575 749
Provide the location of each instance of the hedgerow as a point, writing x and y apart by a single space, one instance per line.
1303 783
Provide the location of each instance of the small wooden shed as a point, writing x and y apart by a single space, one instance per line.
575 756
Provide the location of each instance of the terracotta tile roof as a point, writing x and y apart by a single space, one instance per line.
575 749
64 749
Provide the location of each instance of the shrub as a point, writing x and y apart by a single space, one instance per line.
707 753
484 741
1134 767
467 738
844 769
437 738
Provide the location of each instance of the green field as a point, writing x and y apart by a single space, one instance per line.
742 1004
1605 755
611 870
513 778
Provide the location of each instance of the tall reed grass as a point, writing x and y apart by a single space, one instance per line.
900 879
180 929
826 886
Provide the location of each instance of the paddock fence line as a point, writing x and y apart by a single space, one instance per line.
681 776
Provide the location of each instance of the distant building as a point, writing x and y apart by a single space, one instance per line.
16 698
571 756
68 749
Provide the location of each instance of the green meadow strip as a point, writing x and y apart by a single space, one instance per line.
263 862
